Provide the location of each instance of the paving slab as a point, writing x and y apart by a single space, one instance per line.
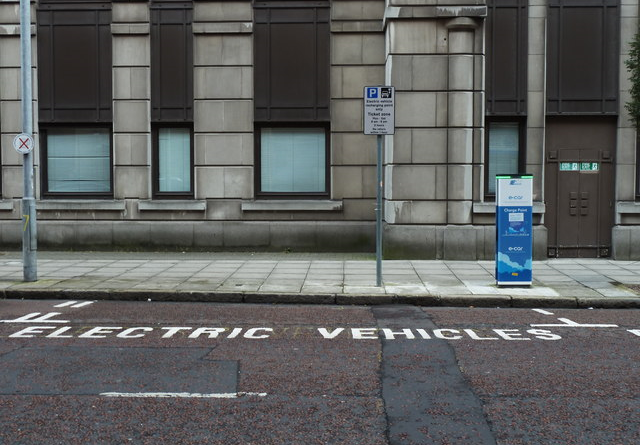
334 277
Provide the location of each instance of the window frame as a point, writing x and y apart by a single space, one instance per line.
290 111
44 186
258 157
522 149
155 138
180 115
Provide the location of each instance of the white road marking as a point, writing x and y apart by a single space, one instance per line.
74 304
542 311
83 304
566 323
186 395
33 318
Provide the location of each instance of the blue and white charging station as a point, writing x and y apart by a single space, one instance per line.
514 230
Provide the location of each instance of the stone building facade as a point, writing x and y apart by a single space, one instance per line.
238 124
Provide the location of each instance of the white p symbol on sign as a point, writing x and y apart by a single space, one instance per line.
372 93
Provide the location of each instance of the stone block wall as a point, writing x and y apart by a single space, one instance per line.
431 51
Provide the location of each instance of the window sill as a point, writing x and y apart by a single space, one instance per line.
628 207
295 205
490 207
98 205
171 205
223 28
6 206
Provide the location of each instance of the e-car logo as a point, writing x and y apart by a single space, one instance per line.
516 249
516 197
515 182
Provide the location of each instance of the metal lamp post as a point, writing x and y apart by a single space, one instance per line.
29 232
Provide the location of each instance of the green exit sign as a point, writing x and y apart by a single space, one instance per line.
579 166
569 166
589 166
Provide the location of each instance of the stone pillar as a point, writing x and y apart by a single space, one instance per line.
626 233
536 95
357 60
465 116
223 107
435 59
131 100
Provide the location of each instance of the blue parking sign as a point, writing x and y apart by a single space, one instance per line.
372 92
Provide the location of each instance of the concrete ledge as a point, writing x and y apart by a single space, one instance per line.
14 30
608 303
223 28
476 300
307 236
527 301
628 207
450 242
172 206
292 206
369 300
356 26
23 291
414 12
130 28
81 205
283 298
6 205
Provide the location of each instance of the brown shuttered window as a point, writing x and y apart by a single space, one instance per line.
582 57
74 62
506 59
171 62
292 98
172 98
291 41
75 98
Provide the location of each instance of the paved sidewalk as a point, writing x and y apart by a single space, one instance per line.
314 278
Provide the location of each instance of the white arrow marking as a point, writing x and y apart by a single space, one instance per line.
566 323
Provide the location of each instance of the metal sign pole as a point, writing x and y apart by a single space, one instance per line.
29 235
379 119
379 216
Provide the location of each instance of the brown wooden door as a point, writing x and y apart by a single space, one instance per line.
579 192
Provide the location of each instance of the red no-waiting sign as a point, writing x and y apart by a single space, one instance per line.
23 143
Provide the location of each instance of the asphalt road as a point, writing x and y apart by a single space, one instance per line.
189 373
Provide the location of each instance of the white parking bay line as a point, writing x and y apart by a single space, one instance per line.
65 304
542 311
83 304
183 395
74 304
